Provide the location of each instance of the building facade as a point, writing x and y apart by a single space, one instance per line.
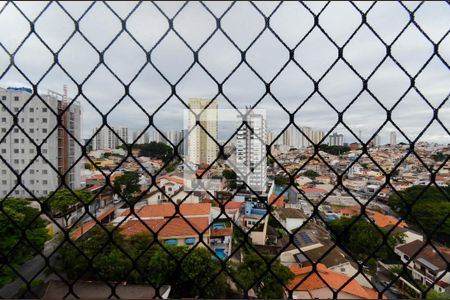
59 148
107 139
392 138
202 149
336 139
141 139
251 160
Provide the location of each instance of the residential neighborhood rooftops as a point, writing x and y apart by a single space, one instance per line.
308 281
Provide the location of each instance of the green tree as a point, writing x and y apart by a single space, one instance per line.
63 201
311 174
127 185
431 208
13 247
335 150
156 150
362 237
281 180
195 277
253 267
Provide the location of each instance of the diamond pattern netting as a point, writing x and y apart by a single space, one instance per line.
337 59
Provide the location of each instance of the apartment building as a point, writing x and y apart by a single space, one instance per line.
107 139
201 147
38 128
251 160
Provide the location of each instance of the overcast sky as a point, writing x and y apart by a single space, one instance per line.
242 23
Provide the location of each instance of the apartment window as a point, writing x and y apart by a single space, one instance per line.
16 141
16 151
45 192
31 130
16 161
16 109
31 120
3 151
3 129
3 172
44 182
4 182
31 171
44 109
31 150
44 151
44 130
16 130
3 119
16 98
31 181
44 171
31 109
44 120
3 98
16 192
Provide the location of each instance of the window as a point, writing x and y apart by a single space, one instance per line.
44 151
189 241
31 130
44 182
4 182
31 150
171 242
3 129
44 109
3 98
44 120
16 130
3 151
31 109
44 130
31 120
44 171
16 151
16 161
16 109
45 192
3 119
16 141
16 98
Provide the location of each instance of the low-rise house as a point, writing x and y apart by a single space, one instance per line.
172 228
321 284
290 218
427 264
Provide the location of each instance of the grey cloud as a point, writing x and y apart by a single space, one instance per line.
243 22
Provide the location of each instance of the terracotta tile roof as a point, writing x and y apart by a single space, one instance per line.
222 231
176 227
233 205
333 279
88 226
279 200
168 209
175 179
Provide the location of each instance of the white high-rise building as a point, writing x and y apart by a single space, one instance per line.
201 147
392 138
251 160
336 139
317 136
141 139
106 139
38 121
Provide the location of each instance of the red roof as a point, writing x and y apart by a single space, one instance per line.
233 205
168 209
222 231
279 200
333 279
86 227
176 227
